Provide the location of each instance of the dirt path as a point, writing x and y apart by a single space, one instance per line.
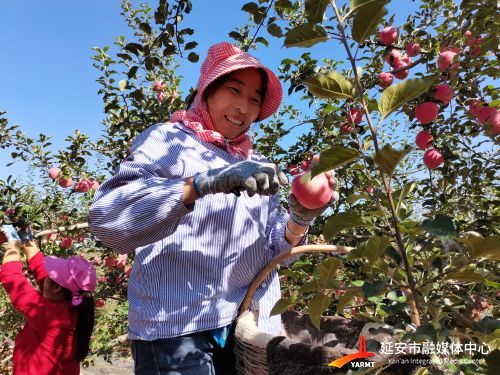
122 366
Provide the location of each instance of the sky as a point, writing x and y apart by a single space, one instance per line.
47 81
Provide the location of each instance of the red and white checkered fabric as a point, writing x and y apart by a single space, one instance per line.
224 58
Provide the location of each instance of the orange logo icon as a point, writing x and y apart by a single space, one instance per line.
351 357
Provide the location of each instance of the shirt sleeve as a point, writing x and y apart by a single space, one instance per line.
275 231
137 206
23 295
37 268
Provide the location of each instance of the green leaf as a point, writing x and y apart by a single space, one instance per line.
405 191
135 48
262 40
387 159
354 197
397 95
306 35
333 158
441 226
317 305
250 7
375 247
466 276
341 221
355 5
145 27
345 299
371 103
190 45
311 286
132 71
483 247
492 284
193 57
331 85
122 84
327 269
371 289
284 4
283 304
274 30
315 10
367 19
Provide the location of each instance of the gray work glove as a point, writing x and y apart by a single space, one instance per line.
10 232
249 176
305 216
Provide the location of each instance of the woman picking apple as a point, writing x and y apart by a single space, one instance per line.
201 211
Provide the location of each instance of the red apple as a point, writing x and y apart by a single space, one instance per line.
448 61
433 158
385 79
424 139
474 107
488 116
426 112
66 243
443 93
346 128
54 173
292 169
354 116
402 74
393 57
82 186
412 49
94 185
388 35
313 193
65 182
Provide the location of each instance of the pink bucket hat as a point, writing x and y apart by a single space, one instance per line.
223 58
75 274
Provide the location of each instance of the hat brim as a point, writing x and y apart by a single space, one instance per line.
274 92
58 271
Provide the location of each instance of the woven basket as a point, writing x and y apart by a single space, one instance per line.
250 343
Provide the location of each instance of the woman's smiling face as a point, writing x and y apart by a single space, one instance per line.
235 104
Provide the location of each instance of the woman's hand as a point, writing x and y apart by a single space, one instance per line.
249 176
13 245
305 216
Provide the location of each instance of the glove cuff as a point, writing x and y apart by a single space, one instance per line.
300 220
196 187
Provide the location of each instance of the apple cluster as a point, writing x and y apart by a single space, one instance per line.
82 186
448 63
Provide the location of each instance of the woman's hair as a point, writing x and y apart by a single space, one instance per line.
85 323
213 86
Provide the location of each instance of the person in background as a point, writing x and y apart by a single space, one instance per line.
59 317
202 213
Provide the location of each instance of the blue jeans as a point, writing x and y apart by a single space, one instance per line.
194 354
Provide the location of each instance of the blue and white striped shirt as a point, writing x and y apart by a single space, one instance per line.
194 265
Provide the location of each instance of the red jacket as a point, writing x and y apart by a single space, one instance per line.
45 344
